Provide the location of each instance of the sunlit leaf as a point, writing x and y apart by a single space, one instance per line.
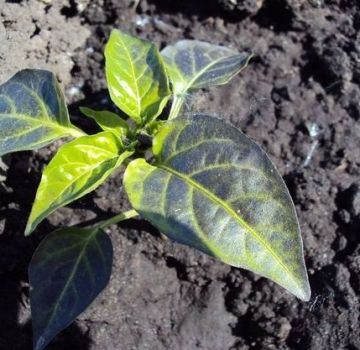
194 64
136 76
67 272
32 112
77 169
108 121
214 189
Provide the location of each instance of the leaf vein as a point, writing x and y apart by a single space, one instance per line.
232 213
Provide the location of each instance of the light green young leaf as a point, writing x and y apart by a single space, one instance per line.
78 168
136 76
68 270
214 189
32 112
194 65
108 121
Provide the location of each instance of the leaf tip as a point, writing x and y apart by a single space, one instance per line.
301 288
30 226
28 230
304 293
251 56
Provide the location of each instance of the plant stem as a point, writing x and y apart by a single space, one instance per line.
177 103
118 218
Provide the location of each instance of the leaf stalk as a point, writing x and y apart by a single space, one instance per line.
176 106
117 218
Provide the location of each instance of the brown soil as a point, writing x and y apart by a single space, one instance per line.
299 98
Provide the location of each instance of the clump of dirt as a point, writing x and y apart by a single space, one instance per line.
300 99
40 34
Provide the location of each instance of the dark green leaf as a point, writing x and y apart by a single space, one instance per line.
108 121
77 169
32 112
67 272
195 64
214 189
136 76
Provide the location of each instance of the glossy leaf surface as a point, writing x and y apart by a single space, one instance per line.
214 189
68 270
32 112
136 76
107 121
77 169
193 65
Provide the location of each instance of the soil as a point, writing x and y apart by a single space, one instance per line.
299 98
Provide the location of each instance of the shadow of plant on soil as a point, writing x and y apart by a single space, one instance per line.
15 255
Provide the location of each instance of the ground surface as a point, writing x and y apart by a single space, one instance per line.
300 99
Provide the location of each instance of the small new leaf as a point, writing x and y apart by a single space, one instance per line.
68 270
108 121
214 189
136 76
78 168
32 112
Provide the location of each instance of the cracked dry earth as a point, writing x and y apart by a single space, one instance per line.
299 98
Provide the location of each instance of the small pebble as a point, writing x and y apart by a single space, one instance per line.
2 226
355 205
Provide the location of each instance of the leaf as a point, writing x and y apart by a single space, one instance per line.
214 189
193 65
77 169
32 112
136 76
108 121
68 270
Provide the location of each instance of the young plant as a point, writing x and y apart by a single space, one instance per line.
206 185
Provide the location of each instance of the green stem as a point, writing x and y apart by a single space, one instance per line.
118 218
176 106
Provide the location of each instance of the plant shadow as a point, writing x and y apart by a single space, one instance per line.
17 191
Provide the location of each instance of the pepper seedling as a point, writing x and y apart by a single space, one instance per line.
205 185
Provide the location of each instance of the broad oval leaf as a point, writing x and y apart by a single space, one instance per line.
68 270
32 112
136 76
214 189
108 121
193 64
78 168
